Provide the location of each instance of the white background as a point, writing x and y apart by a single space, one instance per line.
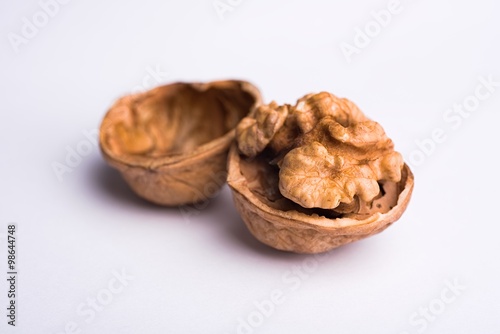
203 272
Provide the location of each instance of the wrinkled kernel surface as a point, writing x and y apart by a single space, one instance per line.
328 152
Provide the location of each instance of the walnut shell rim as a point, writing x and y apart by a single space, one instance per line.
298 232
170 143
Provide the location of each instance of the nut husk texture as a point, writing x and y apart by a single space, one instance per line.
312 177
170 144
300 232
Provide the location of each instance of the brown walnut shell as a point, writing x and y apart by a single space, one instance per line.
317 175
170 143
284 225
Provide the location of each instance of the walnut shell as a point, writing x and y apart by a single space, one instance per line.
170 143
284 225
316 177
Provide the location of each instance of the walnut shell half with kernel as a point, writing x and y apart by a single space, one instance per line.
312 177
170 143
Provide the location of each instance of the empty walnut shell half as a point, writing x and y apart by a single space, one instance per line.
312 177
170 143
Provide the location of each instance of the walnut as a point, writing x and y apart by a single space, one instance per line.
255 131
344 163
170 143
320 176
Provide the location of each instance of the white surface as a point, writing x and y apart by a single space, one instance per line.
203 273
